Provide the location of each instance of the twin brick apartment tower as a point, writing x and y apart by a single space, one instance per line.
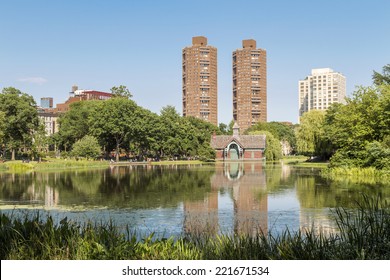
200 90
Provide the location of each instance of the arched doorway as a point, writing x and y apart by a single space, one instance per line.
233 151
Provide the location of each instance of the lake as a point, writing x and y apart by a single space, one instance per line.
175 200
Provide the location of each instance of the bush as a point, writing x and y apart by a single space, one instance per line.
87 147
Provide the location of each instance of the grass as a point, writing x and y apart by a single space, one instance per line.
359 175
51 164
57 164
361 235
301 161
176 162
3 167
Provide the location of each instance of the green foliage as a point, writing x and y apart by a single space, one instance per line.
282 132
2 127
348 174
40 142
359 130
226 129
310 133
120 124
121 91
273 149
20 119
114 121
384 78
87 147
74 124
17 166
361 235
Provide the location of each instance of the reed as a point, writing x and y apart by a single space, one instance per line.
368 175
52 164
363 234
18 166
3 167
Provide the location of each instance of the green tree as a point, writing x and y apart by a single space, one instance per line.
273 149
282 131
121 91
170 131
359 129
2 129
21 117
74 124
384 78
40 142
114 121
88 147
310 133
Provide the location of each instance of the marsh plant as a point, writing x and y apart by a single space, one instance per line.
361 234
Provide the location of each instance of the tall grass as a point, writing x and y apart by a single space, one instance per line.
3 167
18 166
69 164
364 234
368 175
52 164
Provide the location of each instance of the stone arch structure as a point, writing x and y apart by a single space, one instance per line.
233 151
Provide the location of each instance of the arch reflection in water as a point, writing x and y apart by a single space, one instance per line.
245 183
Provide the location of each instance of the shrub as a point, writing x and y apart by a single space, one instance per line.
87 147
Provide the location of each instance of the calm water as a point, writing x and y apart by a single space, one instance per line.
175 200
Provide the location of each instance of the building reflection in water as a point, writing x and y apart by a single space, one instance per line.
48 194
246 184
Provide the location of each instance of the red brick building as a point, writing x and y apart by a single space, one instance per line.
238 147
80 95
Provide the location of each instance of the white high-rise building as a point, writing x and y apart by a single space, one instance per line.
322 88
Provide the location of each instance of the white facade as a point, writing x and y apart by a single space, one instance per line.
322 88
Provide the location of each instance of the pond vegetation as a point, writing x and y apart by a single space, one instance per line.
364 234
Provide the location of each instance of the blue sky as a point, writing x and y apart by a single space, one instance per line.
48 46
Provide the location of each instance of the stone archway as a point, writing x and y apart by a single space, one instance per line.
233 152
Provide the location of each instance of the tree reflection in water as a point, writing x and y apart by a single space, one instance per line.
236 197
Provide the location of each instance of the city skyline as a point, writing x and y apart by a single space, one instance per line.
49 46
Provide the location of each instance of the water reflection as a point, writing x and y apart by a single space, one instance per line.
245 183
236 197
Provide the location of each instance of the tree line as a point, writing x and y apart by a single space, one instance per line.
120 125
94 129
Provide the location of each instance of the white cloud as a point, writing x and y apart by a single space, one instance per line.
33 80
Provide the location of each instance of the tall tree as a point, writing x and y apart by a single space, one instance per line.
384 78
74 123
273 150
310 132
358 129
114 121
283 132
21 118
2 128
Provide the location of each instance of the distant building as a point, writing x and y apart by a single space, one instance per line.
319 90
238 147
49 118
200 81
249 85
47 102
49 115
80 95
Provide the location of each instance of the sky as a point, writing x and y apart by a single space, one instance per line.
46 47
